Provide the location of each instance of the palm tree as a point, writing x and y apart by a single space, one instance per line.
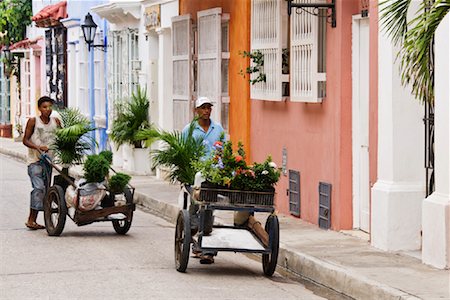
415 39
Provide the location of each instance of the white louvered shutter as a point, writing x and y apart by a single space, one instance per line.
308 77
182 71
266 36
209 58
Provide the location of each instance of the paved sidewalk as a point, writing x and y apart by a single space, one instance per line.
343 262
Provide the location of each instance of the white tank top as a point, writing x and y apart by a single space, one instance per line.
43 135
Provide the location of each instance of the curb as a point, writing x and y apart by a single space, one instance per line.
16 155
319 271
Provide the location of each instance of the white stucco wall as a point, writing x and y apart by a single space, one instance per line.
436 208
398 193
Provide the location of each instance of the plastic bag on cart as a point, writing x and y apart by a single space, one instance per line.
91 194
71 196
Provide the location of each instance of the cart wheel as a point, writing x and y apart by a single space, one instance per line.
269 260
182 240
122 226
55 211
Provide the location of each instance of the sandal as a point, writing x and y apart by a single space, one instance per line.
206 259
34 226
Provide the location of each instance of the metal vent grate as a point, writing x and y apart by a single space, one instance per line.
294 192
324 205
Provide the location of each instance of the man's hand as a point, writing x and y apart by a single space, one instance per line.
43 148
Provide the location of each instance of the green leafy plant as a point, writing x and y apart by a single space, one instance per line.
118 182
108 155
72 141
179 153
96 168
131 118
256 66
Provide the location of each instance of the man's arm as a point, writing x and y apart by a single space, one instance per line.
27 136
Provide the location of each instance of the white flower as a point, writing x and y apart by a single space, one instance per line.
272 164
265 172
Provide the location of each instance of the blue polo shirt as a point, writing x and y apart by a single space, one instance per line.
209 138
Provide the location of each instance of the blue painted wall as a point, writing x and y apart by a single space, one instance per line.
78 10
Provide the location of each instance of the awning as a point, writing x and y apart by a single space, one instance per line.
50 15
27 43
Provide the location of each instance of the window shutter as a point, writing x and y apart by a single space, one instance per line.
182 70
209 73
308 77
266 36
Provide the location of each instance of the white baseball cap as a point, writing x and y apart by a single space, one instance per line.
202 100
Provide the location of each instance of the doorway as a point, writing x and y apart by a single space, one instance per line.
360 124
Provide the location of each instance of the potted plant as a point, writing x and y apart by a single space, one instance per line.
179 154
131 119
118 182
71 141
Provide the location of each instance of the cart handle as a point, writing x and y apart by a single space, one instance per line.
67 178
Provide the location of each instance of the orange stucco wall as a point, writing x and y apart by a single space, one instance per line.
318 137
239 89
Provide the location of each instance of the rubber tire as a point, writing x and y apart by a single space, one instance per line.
269 260
122 226
128 195
55 195
182 240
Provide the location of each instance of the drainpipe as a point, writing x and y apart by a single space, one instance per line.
92 94
103 135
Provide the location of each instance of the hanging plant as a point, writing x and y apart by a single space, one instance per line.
256 66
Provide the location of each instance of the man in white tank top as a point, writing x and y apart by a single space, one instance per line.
39 135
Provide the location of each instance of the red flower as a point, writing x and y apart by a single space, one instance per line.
218 143
238 158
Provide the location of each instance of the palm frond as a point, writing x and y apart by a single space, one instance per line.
130 118
179 154
417 51
416 40
72 141
394 18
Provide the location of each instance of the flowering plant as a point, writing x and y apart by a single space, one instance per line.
229 169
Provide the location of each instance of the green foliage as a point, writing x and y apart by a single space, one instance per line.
226 168
72 141
256 66
180 154
95 168
132 117
148 136
15 15
108 155
118 182
416 41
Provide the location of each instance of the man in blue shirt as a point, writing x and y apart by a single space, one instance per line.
205 128
210 132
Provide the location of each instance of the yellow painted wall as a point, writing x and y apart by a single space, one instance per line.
239 88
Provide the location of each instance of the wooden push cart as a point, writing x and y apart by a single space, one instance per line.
56 209
227 238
